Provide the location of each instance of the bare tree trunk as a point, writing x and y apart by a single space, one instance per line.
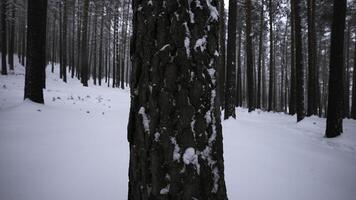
299 63
230 90
3 38
249 64
175 142
36 50
336 89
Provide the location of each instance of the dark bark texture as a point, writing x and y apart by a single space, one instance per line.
230 85
299 63
174 126
336 87
36 50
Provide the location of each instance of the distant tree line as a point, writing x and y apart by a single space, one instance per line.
86 38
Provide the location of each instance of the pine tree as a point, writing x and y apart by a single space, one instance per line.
353 105
312 67
271 60
36 50
336 89
84 45
3 38
249 52
230 85
299 63
174 126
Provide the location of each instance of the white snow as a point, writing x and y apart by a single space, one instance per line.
145 120
201 44
75 148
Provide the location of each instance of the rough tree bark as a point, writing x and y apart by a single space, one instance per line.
222 57
36 50
174 126
336 89
230 90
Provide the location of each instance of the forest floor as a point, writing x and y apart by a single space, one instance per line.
74 148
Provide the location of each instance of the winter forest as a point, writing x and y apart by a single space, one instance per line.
177 99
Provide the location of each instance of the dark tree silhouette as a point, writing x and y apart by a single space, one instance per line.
230 85
336 89
36 50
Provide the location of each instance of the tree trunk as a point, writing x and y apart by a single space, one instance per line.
299 63
36 50
292 93
249 64
239 76
260 45
353 106
3 39
64 45
12 35
84 45
230 90
336 89
222 58
271 62
346 113
312 68
174 126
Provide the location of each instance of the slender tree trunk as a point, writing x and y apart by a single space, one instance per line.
271 62
249 65
353 107
3 38
312 68
239 76
222 58
292 93
336 89
175 142
64 46
94 51
346 113
299 63
260 45
36 50
230 90
84 45
12 35
100 70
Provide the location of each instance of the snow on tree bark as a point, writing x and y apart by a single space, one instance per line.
174 126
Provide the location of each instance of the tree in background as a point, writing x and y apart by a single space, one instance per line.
84 43
3 38
36 50
174 126
298 62
230 85
312 62
249 52
336 89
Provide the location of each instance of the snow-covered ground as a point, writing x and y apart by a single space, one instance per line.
74 148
